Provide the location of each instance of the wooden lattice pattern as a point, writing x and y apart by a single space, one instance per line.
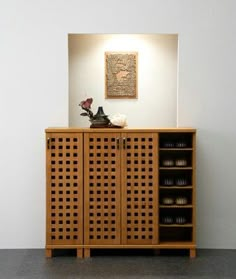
102 189
106 187
139 189
64 189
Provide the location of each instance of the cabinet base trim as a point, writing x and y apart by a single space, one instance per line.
156 246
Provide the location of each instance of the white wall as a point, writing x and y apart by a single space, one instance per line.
34 95
157 77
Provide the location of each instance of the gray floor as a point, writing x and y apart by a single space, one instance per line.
117 264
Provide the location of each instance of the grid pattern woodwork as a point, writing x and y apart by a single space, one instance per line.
139 188
102 188
64 188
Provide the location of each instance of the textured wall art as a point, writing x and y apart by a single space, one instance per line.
121 75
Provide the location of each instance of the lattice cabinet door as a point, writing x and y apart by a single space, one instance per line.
64 189
102 188
139 188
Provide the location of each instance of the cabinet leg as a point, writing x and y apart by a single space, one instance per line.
79 253
86 252
48 253
192 253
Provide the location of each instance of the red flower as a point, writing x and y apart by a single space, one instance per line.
86 104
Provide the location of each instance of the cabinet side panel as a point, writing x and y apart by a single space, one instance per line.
48 189
64 189
102 188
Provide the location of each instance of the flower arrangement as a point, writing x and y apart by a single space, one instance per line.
86 105
100 119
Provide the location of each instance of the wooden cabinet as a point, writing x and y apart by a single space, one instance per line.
120 188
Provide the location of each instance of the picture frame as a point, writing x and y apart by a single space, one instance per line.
121 75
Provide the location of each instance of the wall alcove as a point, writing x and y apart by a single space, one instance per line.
156 105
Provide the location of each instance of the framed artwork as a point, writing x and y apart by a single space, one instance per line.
121 75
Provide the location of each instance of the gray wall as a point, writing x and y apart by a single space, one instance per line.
34 91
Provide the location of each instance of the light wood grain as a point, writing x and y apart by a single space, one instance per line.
103 188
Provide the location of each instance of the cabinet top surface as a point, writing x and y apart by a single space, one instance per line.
117 130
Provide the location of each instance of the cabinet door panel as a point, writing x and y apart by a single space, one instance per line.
139 188
64 188
102 188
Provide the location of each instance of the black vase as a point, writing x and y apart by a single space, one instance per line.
100 119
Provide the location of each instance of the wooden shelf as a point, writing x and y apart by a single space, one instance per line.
175 244
176 225
175 168
175 149
175 187
175 206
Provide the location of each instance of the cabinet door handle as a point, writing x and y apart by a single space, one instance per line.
124 143
48 143
118 143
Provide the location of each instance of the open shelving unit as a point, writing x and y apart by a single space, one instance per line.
177 203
